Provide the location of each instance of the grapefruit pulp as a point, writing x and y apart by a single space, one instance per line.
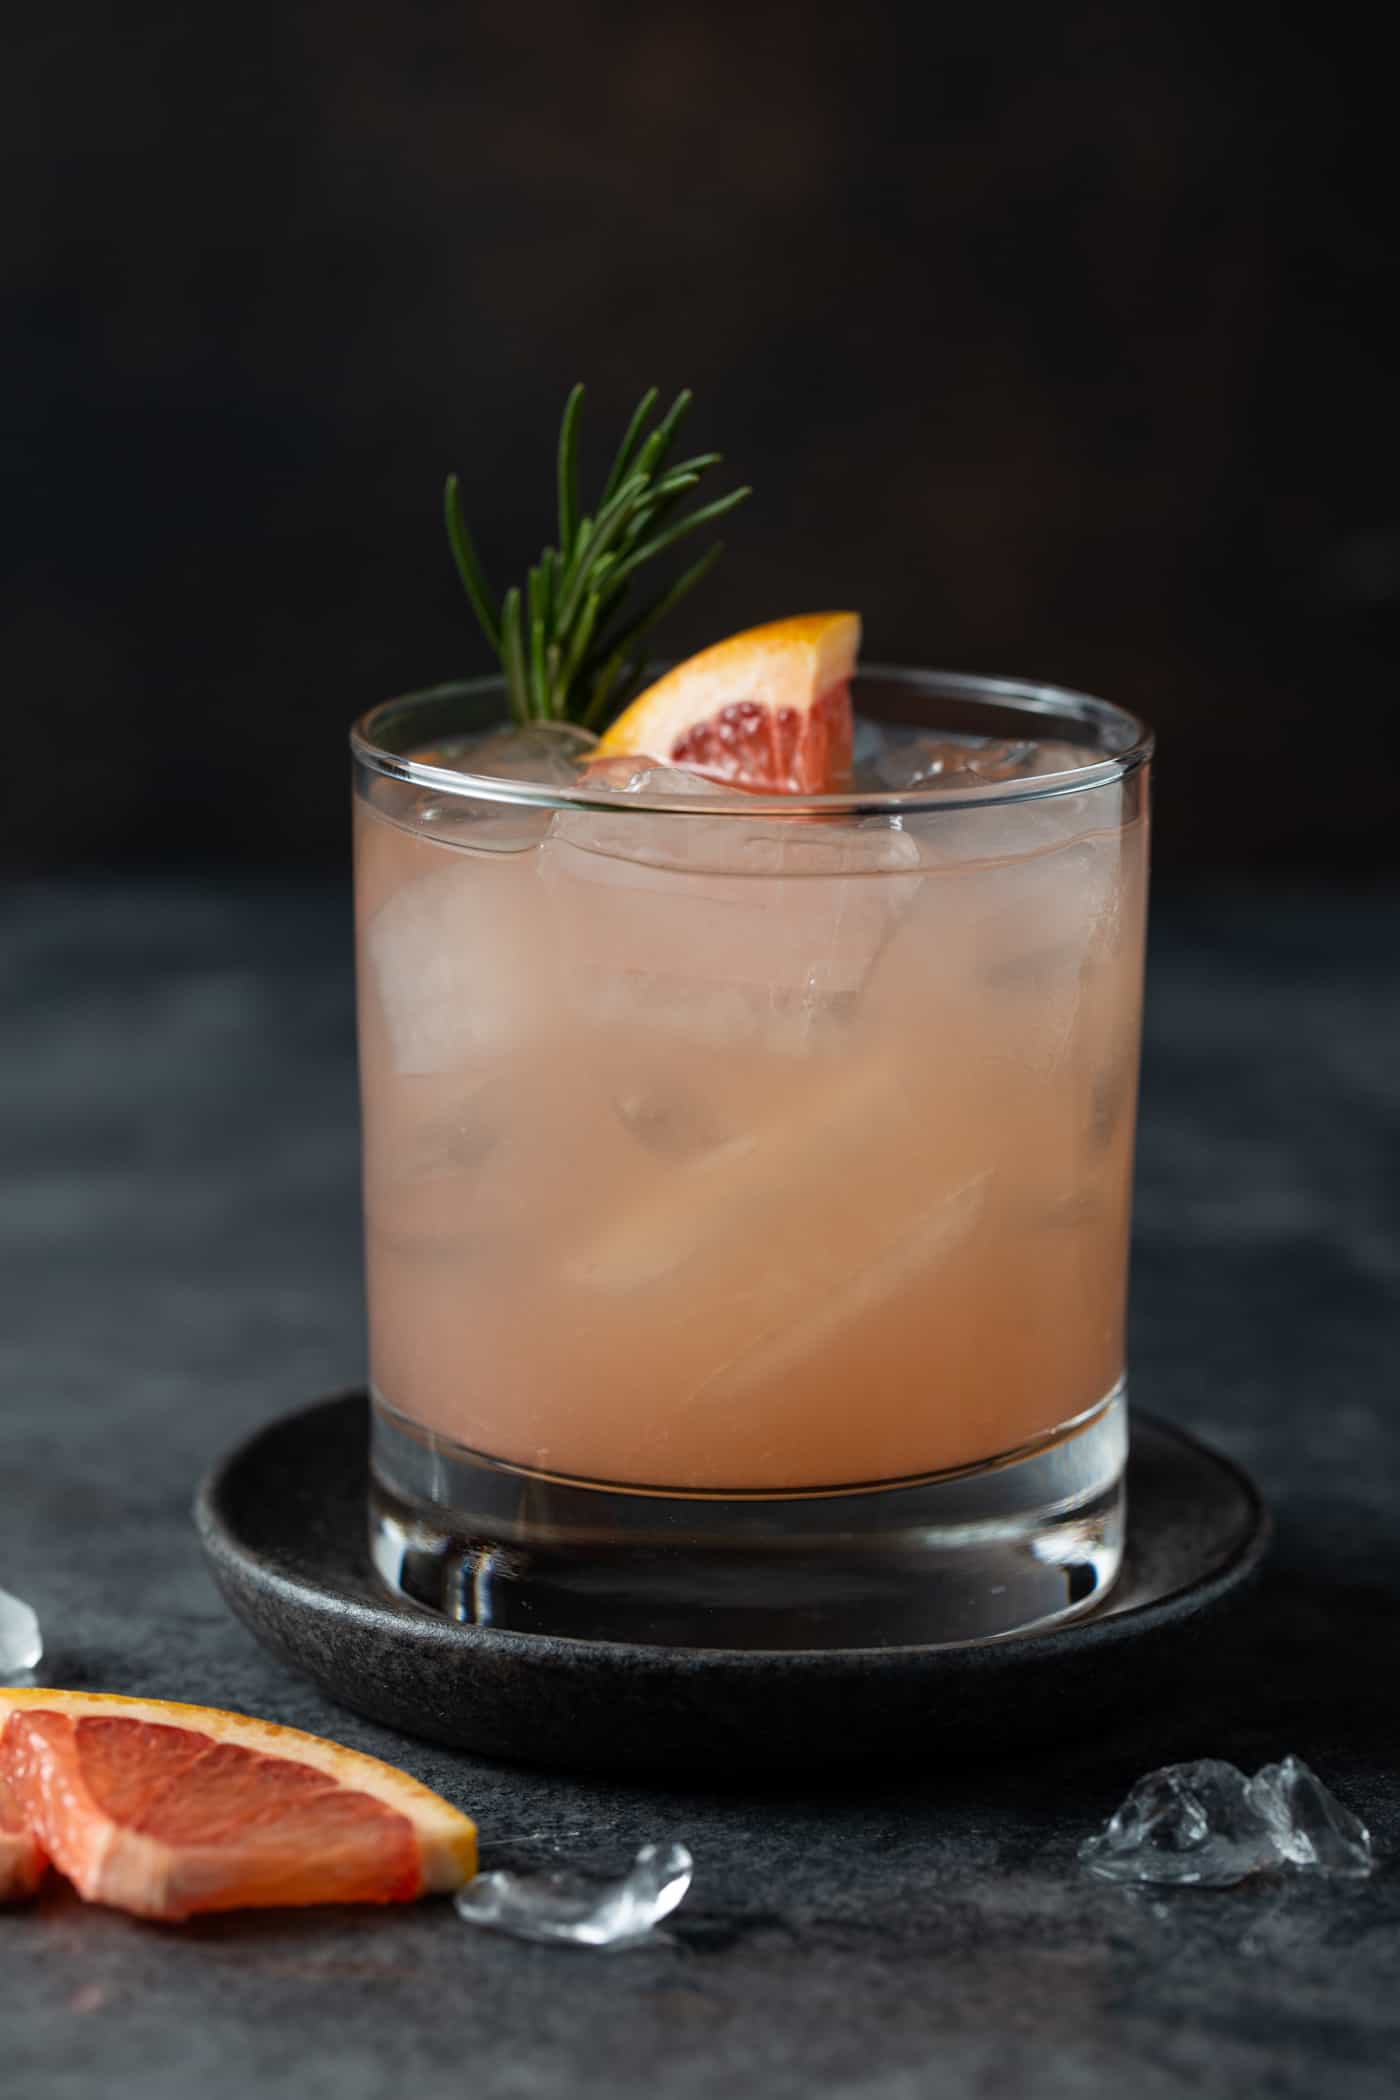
21 1861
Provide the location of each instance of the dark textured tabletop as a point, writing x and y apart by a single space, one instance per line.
179 1250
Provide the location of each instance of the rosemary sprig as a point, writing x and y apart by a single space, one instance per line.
572 642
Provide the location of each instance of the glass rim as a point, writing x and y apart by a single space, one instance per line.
1052 702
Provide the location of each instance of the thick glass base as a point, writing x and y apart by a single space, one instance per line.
1031 1539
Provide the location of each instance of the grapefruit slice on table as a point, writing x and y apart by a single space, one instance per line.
768 709
169 1810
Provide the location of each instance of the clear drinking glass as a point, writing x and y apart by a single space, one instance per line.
747 1183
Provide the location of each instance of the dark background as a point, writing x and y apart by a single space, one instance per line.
1049 337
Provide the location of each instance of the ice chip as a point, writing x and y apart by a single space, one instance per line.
21 1643
1310 1826
1206 1826
663 924
631 836
483 827
542 754
644 776
822 851
894 759
455 957
667 1120
546 754
1191 1826
565 1907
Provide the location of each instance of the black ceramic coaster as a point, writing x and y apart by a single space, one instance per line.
283 1522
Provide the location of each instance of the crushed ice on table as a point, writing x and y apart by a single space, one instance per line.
1205 1825
1309 1824
565 1907
1192 1824
21 1643
888 758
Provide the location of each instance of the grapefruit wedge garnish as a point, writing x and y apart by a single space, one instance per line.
768 710
170 1810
